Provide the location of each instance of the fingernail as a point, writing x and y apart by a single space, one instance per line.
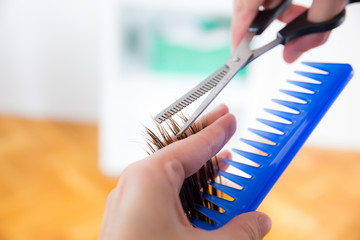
222 107
265 223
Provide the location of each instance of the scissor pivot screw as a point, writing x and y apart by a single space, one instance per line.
236 59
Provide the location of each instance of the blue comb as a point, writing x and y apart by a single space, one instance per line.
278 155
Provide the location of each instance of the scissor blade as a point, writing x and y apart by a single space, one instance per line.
212 95
239 59
260 51
195 93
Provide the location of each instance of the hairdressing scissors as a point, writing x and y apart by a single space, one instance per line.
243 55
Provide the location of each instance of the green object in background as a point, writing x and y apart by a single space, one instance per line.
172 55
181 59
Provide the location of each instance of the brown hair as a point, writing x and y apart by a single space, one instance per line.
193 188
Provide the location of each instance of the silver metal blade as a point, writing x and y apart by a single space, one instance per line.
212 95
195 93
235 63
261 50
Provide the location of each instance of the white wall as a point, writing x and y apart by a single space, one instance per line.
49 58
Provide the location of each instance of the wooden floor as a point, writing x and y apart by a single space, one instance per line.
50 187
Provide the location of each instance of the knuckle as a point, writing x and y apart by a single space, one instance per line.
136 172
251 232
174 173
210 149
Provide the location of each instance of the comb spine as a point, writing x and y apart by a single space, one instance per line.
332 84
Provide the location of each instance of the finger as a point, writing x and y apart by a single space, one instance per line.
220 160
107 212
207 119
244 13
269 4
295 48
205 144
219 164
183 158
212 116
320 11
291 13
252 225
323 10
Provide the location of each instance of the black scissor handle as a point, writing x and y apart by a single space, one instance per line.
300 26
265 17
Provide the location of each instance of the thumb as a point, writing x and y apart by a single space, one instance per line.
247 226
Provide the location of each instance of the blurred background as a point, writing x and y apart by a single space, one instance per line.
79 80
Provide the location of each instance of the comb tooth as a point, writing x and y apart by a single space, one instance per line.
241 181
212 214
334 70
331 68
202 225
309 86
232 192
251 170
316 76
266 148
255 188
291 105
276 125
259 159
239 203
285 115
267 135
327 67
299 95
220 202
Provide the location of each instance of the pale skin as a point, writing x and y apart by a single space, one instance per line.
145 204
320 10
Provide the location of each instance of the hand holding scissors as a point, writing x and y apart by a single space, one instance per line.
243 55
